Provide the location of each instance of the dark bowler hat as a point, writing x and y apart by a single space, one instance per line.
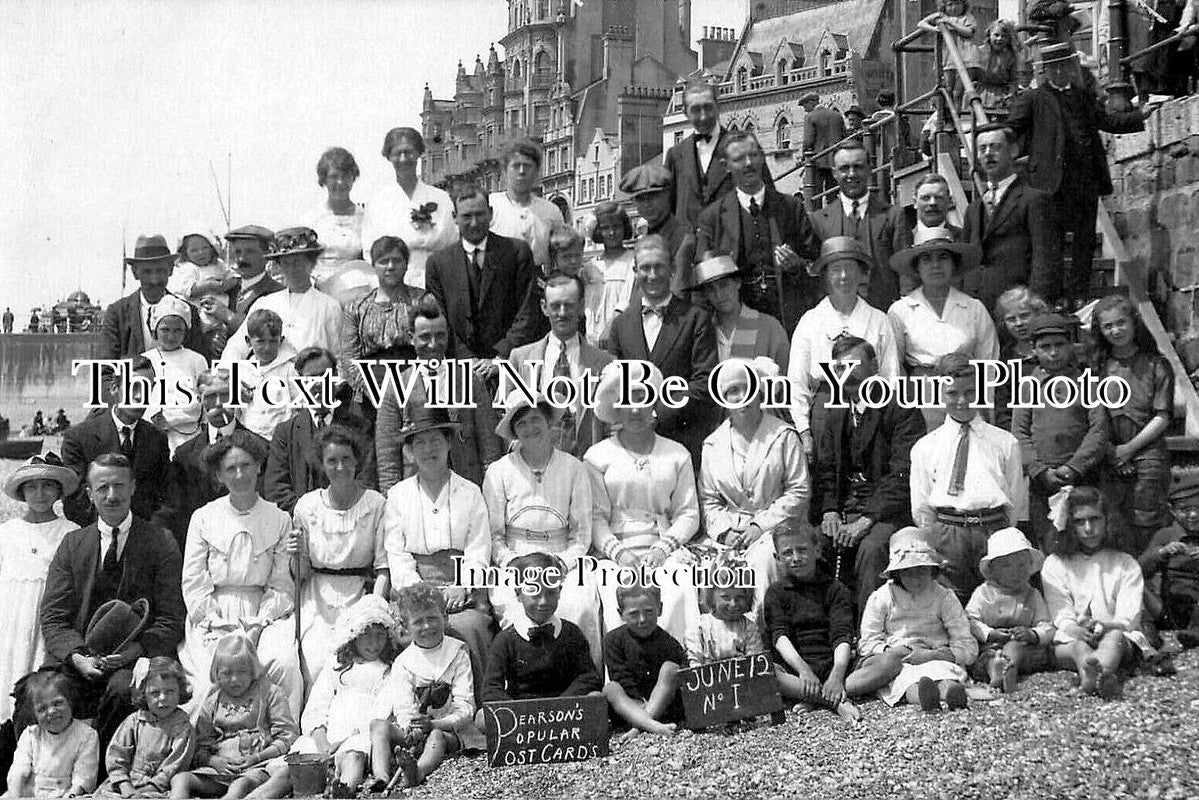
1047 324
422 418
151 248
114 625
645 179
264 235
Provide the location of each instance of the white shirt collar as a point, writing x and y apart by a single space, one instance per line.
471 248
223 431
246 283
645 303
120 423
522 625
1002 187
744 198
315 421
847 205
922 228
122 528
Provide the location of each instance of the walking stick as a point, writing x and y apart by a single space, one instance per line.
296 562
778 270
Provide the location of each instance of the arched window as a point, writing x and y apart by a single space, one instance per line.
826 62
783 134
742 78
780 71
541 63
749 126
516 68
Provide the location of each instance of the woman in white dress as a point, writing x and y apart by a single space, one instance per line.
646 509
539 501
614 270
236 575
339 222
27 545
420 214
337 538
753 474
437 531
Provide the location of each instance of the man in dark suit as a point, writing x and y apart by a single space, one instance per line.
698 176
293 466
862 473
119 557
485 284
121 429
126 325
767 233
677 337
192 483
563 351
1013 223
248 246
475 445
1059 123
822 128
857 213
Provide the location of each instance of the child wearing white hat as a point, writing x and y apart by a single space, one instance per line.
179 418
1008 616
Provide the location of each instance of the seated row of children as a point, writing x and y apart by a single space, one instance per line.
384 713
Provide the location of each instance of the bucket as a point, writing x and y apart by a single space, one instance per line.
308 772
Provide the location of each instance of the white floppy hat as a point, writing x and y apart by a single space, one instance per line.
608 391
169 306
1006 541
369 610
911 551
731 376
515 402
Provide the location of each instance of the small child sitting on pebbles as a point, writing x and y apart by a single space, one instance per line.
643 662
809 620
1007 615
916 640
727 629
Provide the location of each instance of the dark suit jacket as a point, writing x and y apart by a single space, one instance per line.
591 358
123 334
152 566
192 485
1036 116
822 128
1019 243
720 231
293 467
503 314
686 347
151 468
693 191
882 231
883 443
472 449
241 300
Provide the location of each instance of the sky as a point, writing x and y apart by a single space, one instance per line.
118 114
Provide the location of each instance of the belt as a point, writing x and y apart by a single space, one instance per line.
559 536
982 516
358 572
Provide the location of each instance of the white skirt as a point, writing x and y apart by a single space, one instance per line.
911 674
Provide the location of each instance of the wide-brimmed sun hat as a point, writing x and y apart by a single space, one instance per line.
294 242
353 621
838 247
150 249
47 467
933 240
608 390
910 552
514 403
1005 542
422 418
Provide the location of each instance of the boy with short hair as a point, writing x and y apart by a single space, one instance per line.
540 655
809 622
1171 565
1059 446
270 357
643 662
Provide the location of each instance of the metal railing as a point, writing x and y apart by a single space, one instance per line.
1191 31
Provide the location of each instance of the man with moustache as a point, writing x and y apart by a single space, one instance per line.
248 246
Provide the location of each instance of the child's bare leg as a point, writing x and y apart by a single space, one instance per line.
874 675
1017 654
432 755
1110 654
240 788
188 784
351 768
847 711
664 691
954 694
996 669
1079 657
381 749
792 688
633 711
277 785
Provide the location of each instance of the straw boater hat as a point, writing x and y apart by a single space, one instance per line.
607 392
48 467
169 306
150 249
837 248
353 621
713 269
516 402
931 240
294 242
911 551
1057 52
1006 541
115 625
423 418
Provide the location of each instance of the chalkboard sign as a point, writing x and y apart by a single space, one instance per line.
729 690
551 730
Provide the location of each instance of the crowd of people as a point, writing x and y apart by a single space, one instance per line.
235 581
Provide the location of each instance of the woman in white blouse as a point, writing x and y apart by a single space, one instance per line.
420 214
646 510
539 501
437 531
338 224
516 211
936 319
845 265
236 575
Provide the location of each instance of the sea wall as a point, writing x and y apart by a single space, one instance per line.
35 373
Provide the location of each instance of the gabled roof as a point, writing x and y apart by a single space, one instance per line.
854 20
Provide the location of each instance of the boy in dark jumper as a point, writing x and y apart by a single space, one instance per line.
540 655
643 662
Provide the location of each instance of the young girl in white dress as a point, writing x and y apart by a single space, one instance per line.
27 545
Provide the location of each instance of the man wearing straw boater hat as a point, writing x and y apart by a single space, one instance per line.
741 332
126 325
767 233
1059 123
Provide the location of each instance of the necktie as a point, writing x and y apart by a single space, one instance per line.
991 197
566 433
857 218
111 555
476 263
127 442
540 633
957 478
651 311
754 208
322 419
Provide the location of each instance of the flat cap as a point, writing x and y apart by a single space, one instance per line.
645 179
264 235
1047 324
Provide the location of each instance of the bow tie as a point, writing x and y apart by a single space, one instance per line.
649 311
703 137
539 633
